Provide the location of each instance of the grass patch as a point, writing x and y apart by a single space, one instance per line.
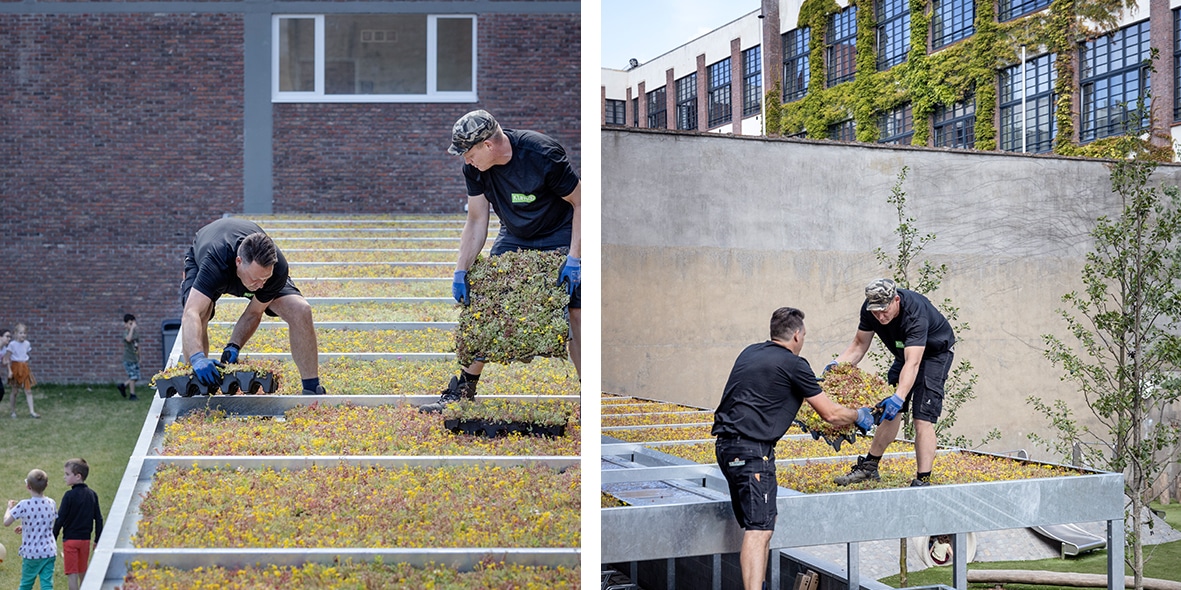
88 421
1164 563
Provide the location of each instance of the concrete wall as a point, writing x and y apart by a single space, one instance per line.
704 236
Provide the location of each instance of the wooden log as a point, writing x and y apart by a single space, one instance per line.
1038 577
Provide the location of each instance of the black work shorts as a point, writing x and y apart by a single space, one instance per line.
749 467
927 392
558 240
190 276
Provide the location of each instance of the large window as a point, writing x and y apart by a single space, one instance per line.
719 93
952 20
1037 119
1011 9
615 112
843 131
687 102
893 32
795 63
955 125
1177 64
1114 77
752 81
374 58
635 112
841 46
897 125
657 109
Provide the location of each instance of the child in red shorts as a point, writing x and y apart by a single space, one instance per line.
79 511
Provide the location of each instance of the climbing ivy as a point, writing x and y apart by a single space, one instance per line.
948 76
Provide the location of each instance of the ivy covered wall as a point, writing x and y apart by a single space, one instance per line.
952 74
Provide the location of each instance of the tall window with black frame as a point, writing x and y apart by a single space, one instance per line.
657 109
1114 81
614 112
955 125
841 46
719 106
752 81
796 74
1037 120
687 102
893 32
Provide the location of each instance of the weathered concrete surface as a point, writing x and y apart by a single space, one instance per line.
703 236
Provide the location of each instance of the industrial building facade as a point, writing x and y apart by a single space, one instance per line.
1010 75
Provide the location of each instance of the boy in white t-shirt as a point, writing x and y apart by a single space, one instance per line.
17 353
38 547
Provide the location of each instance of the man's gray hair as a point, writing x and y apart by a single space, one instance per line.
258 247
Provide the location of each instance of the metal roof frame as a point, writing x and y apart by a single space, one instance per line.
115 551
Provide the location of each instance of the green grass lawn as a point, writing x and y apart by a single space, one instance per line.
87 421
1163 561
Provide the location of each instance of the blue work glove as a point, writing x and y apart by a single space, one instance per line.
864 420
828 367
890 407
570 276
229 354
205 369
459 288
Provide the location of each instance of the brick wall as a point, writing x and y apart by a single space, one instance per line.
121 135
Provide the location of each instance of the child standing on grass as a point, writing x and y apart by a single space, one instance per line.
5 369
130 356
38 547
17 353
78 515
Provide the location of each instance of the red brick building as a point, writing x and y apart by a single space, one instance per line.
125 128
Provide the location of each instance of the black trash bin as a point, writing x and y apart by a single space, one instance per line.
168 331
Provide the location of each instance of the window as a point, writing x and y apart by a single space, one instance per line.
636 112
893 32
897 125
615 112
657 109
841 48
1114 78
1177 64
1038 117
687 102
1011 9
843 131
795 63
955 124
951 20
719 93
374 58
752 81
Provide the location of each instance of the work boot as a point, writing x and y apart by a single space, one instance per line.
865 469
919 483
319 391
457 390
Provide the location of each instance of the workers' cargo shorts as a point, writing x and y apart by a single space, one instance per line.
749 467
927 393
558 240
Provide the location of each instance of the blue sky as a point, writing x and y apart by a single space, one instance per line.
645 29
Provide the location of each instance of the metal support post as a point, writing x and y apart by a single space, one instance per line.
1115 554
776 583
959 575
672 573
853 569
717 571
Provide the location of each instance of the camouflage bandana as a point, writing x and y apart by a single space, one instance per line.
470 130
879 294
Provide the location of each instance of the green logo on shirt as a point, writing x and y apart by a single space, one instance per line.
522 198
248 295
899 344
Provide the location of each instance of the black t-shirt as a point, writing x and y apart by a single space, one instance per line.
765 390
215 249
527 192
918 324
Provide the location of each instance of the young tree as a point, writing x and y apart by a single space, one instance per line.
1126 327
901 263
927 278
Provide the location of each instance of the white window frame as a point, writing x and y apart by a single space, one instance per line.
433 95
